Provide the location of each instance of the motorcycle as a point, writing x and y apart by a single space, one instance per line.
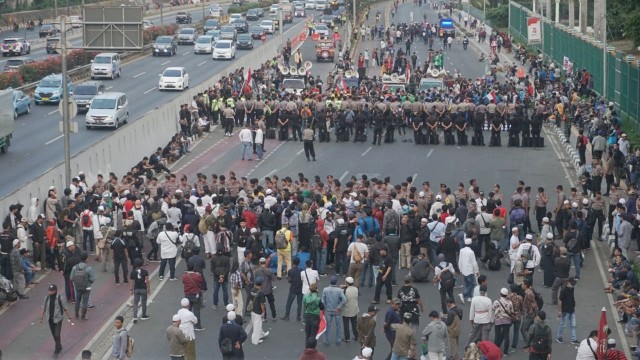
16 27
31 25
7 292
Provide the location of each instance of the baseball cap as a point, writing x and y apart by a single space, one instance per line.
396 300
373 308
184 302
69 243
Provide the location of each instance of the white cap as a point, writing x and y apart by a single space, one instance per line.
514 228
327 204
16 242
549 236
179 191
127 192
545 219
566 202
367 352
438 197
230 307
70 243
468 241
610 103
100 208
529 237
356 203
176 317
574 204
424 220
268 192
585 201
421 194
622 201
504 291
184 302
349 280
354 194
253 230
340 221
52 187
231 315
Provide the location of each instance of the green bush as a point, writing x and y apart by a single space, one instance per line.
239 9
498 16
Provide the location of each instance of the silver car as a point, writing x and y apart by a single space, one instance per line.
187 36
108 110
85 92
204 45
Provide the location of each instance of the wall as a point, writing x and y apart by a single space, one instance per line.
114 153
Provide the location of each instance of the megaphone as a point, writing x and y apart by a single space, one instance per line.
349 74
293 70
284 70
302 70
434 72
308 65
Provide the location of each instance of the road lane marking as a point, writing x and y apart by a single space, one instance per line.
110 87
150 90
52 112
187 53
343 175
366 151
142 73
414 177
166 62
430 152
271 172
202 63
54 139
300 152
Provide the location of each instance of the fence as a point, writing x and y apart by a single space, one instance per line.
558 41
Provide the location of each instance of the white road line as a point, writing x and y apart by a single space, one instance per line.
166 62
271 172
429 153
54 139
414 177
343 175
300 152
142 73
110 87
187 53
202 63
52 112
366 151
150 90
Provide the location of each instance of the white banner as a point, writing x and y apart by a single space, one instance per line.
534 30
567 65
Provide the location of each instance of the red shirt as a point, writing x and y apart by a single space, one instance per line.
490 350
193 283
251 219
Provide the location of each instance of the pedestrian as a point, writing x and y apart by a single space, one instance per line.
220 267
549 252
383 278
258 307
83 276
481 316
411 301
120 339
540 338
246 271
308 136
140 289
168 242
367 328
235 285
295 289
19 281
188 321
120 256
177 340
55 309
350 310
333 299
468 268
230 338
283 239
503 312
453 322
309 276
391 317
246 138
437 337
444 277
70 257
567 311
194 286
516 319
312 306
404 345
268 277
310 351
530 309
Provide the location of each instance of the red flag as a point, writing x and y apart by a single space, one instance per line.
602 335
407 75
247 85
323 325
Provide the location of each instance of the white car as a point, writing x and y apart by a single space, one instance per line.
273 9
310 4
204 45
216 11
107 110
224 49
76 21
322 30
321 4
147 24
234 16
174 78
267 26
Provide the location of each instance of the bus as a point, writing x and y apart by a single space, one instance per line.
446 28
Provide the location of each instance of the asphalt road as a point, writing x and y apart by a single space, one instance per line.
37 144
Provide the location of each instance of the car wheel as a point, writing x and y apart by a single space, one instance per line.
126 121
15 114
88 127
116 125
29 109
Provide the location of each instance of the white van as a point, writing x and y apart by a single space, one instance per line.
109 109
321 4
106 65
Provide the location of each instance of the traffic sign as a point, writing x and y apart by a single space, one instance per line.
72 108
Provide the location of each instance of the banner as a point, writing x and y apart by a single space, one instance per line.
603 335
534 31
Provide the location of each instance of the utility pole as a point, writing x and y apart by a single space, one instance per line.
65 101
604 51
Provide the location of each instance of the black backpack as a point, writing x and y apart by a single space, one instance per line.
189 245
447 280
316 242
539 341
80 278
494 262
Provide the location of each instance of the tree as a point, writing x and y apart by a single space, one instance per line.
498 17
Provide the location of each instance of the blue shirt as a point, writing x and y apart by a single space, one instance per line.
303 256
332 298
391 317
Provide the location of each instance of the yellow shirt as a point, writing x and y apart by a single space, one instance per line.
560 108
287 236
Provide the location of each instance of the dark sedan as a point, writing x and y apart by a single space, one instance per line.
244 42
183 17
240 25
256 32
48 30
252 15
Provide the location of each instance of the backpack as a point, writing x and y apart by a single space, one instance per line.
539 341
447 281
130 344
129 234
223 239
281 240
202 225
80 278
86 220
494 263
316 242
226 346
528 254
189 245
539 299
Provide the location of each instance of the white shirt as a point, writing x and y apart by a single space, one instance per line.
270 200
187 322
513 253
524 249
313 279
245 135
481 311
484 220
585 351
166 240
361 248
467 262
259 136
98 222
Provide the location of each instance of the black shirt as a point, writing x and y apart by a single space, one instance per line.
568 300
119 247
138 276
258 300
385 263
295 279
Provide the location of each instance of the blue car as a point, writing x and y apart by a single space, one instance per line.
49 90
21 103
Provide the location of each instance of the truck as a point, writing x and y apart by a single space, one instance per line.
6 119
446 29
287 13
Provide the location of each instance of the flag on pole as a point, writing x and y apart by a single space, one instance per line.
491 96
246 88
323 325
603 335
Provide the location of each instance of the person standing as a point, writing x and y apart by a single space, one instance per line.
283 239
309 276
307 138
83 277
481 316
567 311
312 307
246 138
267 285
503 312
468 268
177 340
437 337
194 287
120 339
333 300
230 339
235 286
310 351
140 289
55 309
351 309
540 338
220 267
516 301
411 301
367 328
453 322
383 278
120 256
188 320
404 346
392 316
258 312
561 269
246 272
445 286
358 252
258 142
19 281
295 289
167 240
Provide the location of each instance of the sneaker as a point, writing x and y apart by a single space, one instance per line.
215 307
172 279
575 342
135 320
265 334
160 277
559 341
461 297
199 329
145 317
